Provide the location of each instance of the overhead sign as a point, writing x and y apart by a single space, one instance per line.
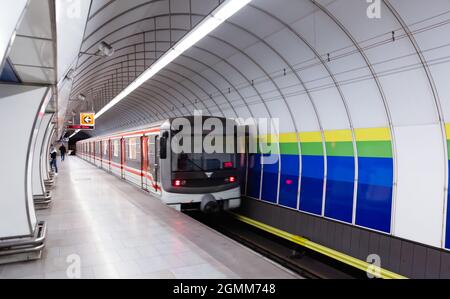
80 127
87 119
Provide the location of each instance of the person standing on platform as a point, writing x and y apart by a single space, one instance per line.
63 151
53 161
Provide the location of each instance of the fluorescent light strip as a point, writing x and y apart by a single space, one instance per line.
76 132
205 27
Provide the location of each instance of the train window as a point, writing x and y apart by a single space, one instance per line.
132 155
116 148
105 147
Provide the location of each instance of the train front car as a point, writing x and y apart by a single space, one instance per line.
199 168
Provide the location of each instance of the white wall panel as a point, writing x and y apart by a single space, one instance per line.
352 14
297 9
365 105
9 19
17 217
361 93
296 53
35 75
117 8
259 110
280 111
413 11
419 205
71 17
331 110
45 153
408 105
305 116
32 52
38 152
37 21
440 75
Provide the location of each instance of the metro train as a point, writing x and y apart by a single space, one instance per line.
187 180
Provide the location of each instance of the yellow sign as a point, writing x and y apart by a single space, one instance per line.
87 119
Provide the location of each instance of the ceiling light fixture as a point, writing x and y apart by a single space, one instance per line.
227 9
81 97
70 74
104 50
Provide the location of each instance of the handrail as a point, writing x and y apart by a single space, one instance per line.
39 237
21 251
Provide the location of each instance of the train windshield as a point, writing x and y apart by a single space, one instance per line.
202 162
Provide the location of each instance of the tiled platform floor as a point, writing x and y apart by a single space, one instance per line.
116 230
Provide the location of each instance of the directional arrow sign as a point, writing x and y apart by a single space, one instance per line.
87 119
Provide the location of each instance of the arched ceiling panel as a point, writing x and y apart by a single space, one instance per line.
330 66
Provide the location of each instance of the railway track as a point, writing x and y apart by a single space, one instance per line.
305 262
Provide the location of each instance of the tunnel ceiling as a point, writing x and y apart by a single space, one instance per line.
316 65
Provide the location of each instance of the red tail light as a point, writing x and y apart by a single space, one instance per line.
289 182
179 183
228 165
232 179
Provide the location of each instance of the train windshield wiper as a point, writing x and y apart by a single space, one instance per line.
195 164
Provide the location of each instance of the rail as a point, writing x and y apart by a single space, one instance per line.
344 258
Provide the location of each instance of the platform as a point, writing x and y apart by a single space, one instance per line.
119 231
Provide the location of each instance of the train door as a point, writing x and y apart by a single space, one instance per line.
93 151
116 157
133 160
98 154
153 167
122 157
106 156
90 152
110 155
100 148
144 159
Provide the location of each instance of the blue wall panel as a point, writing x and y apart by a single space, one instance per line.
8 74
374 203
289 180
243 171
270 179
254 175
311 189
340 188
